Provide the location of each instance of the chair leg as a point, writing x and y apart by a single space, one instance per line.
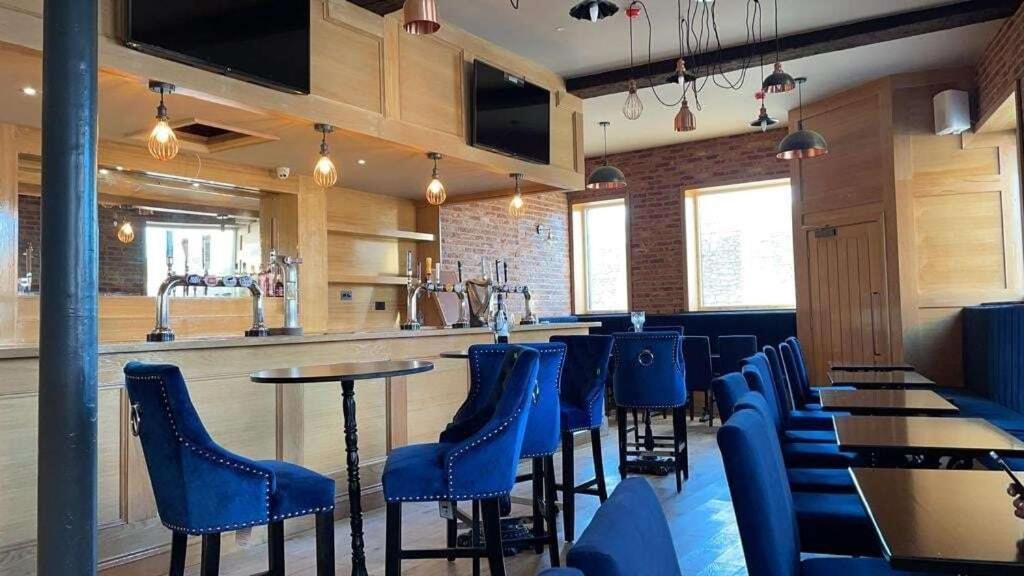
568 488
475 535
550 511
636 427
537 480
179 545
690 398
709 407
325 543
393 540
595 447
686 451
209 564
621 417
452 531
492 536
275 546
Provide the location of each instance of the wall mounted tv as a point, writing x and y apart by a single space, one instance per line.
510 115
261 41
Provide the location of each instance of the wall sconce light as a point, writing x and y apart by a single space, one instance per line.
325 173
163 143
517 207
436 193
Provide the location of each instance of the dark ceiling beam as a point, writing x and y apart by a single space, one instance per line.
381 7
803 45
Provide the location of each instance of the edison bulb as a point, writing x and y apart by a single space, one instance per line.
126 234
595 12
163 143
517 207
436 193
325 174
633 107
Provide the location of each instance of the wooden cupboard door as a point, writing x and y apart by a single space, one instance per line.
849 298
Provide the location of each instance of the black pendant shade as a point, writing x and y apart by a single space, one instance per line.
778 81
606 178
605 8
802 144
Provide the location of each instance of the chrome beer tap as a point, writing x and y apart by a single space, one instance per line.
288 268
505 288
413 290
416 287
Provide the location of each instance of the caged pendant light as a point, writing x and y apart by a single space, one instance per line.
633 107
325 173
421 17
163 143
606 177
517 207
802 143
436 193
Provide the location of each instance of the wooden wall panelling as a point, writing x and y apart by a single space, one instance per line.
312 248
8 234
355 73
431 84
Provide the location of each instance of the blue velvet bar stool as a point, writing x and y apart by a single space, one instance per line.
203 490
733 349
765 510
650 375
481 467
582 410
699 372
647 415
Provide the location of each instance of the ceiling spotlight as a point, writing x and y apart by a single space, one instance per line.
633 107
361 162
325 174
606 177
802 143
29 91
104 171
421 17
593 10
517 207
163 144
685 120
436 193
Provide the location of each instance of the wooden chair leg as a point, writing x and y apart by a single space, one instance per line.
550 511
179 545
275 546
325 543
209 564
537 480
393 540
621 417
568 488
492 536
595 447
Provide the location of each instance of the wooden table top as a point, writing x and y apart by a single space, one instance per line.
869 366
972 436
878 379
904 402
343 371
957 521
457 354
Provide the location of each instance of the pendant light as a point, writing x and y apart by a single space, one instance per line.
421 17
606 177
325 174
763 120
593 10
802 143
517 207
126 234
778 81
163 144
685 120
633 107
436 193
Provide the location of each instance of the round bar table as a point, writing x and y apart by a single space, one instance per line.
455 354
347 374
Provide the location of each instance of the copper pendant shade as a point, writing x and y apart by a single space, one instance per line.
802 144
421 17
685 120
778 81
606 177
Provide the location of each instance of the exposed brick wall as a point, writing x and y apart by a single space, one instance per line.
656 177
483 229
1001 65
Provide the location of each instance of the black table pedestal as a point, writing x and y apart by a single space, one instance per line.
355 503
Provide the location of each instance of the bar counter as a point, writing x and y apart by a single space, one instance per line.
300 424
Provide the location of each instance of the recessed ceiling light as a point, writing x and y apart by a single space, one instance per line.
195 184
361 162
29 91
104 171
119 168
560 29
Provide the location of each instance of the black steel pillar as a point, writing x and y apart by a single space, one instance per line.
68 293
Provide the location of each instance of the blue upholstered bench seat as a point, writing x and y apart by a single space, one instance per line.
972 405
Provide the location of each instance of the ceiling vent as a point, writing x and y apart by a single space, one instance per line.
210 137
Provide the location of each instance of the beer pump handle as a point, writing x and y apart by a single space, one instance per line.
505 265
497 271
459 264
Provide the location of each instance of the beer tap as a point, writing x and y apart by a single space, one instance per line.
413 289
416 287
206 263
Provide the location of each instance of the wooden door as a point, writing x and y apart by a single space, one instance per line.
849 298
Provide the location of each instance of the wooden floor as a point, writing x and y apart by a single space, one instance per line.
701 518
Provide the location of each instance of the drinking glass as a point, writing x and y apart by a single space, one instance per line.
638 319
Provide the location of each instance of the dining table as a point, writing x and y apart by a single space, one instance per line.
854 366
961 439
943 521
887 402
878 379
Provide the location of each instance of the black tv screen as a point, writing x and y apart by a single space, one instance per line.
261 41
510 115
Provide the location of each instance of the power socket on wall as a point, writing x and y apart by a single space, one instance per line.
346 295
380 306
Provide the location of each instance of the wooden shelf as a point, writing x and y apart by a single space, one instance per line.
380 233
367 279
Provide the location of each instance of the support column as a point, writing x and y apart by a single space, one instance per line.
68 293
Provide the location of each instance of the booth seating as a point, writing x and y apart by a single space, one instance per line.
629 535
478 467
649 375
765 506
699 372
733 349
203 490
582 410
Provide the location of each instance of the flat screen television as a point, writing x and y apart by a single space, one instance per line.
510 115
261 41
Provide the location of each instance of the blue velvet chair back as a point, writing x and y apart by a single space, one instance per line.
628 536
697 358
728 389
649 370
755 401
801 397
733 349
197 484
543 431
585 373
779 377
761 495
801 364
759 379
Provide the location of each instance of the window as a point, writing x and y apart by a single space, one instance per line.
740 247
600 266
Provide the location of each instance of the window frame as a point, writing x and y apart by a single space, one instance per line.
691 238
578 254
